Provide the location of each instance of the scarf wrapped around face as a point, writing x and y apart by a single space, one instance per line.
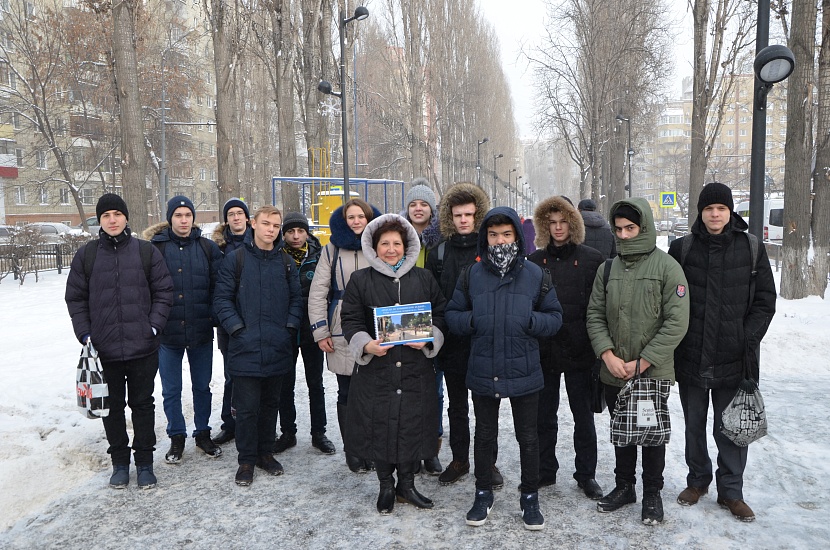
298 254
502 255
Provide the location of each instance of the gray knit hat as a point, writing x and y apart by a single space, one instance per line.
421 192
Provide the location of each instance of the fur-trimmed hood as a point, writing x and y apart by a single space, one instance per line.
219 235
413 246
571 214
162 227
482 202
342 235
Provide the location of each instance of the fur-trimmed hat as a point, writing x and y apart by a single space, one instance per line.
715 193
542 224
421 191
111 201
235 202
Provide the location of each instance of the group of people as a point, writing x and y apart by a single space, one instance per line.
506 323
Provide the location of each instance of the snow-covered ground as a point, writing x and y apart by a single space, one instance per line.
54 469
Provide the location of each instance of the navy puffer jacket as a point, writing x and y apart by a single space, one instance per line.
502 320
194 276
306 270
118 307
259 314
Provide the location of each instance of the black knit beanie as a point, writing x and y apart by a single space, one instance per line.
235 202
628 212
715 193
177 202
111 201
294 219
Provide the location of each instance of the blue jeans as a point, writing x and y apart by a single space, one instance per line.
578 386
313 364
256 401
201 370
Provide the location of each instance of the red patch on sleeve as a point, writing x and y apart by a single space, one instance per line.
681 290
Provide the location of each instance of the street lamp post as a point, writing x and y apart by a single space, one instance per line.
772 65
495 158
360 13
509 188
478 159
629 151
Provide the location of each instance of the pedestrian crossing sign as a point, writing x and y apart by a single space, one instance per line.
668 200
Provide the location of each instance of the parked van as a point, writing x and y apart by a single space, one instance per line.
773 218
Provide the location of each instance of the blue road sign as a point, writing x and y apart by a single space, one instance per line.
668 200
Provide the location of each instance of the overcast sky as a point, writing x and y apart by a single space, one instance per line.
523 22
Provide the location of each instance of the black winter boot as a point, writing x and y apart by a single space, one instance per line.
622 494
355 464
386 496
406 491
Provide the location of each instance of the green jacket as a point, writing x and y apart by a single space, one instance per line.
644 312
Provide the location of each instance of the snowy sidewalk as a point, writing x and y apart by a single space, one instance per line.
54 469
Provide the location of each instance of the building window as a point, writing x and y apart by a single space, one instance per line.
783 119
19 154
20 194
44 194
782 132
87 196
743 132
199 100
730 132
64 193
202 174
210 126
16 121
41 160
213 150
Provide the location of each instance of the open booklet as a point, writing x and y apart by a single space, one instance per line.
403 324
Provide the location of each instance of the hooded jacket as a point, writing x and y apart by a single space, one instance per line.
503 319
259 313
459 251
194 277
118 306
726 324
598 234
644 312
227 241
323 314
393 400
573 268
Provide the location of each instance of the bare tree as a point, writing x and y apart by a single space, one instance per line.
716 66
798 150
821 174
133 159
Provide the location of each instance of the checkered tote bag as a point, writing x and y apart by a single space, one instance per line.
91 386
641 415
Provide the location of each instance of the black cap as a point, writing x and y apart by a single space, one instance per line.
294 219
587 205
715 193
111 201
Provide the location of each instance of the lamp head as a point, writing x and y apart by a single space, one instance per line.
774 64
621 118
483 141
325 87
500 155
361 13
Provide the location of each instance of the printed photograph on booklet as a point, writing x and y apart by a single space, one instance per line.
395 325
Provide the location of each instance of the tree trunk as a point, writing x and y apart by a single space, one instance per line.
798 153
700 106
284 64
226 50
821 175
133 161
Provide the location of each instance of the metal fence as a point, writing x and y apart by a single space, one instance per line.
20 259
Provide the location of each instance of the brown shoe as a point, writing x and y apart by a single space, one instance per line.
738 507
691 495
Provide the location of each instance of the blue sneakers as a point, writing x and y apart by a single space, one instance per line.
531 515
481 508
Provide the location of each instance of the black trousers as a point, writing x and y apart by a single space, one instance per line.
131 383
731 458
313 366
654 458
228 420
578 386
525 412
256 400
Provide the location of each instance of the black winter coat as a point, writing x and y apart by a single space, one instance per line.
393 399
573 269
459 252
598 234
118 307
194 277
261 313
725 326
306 270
